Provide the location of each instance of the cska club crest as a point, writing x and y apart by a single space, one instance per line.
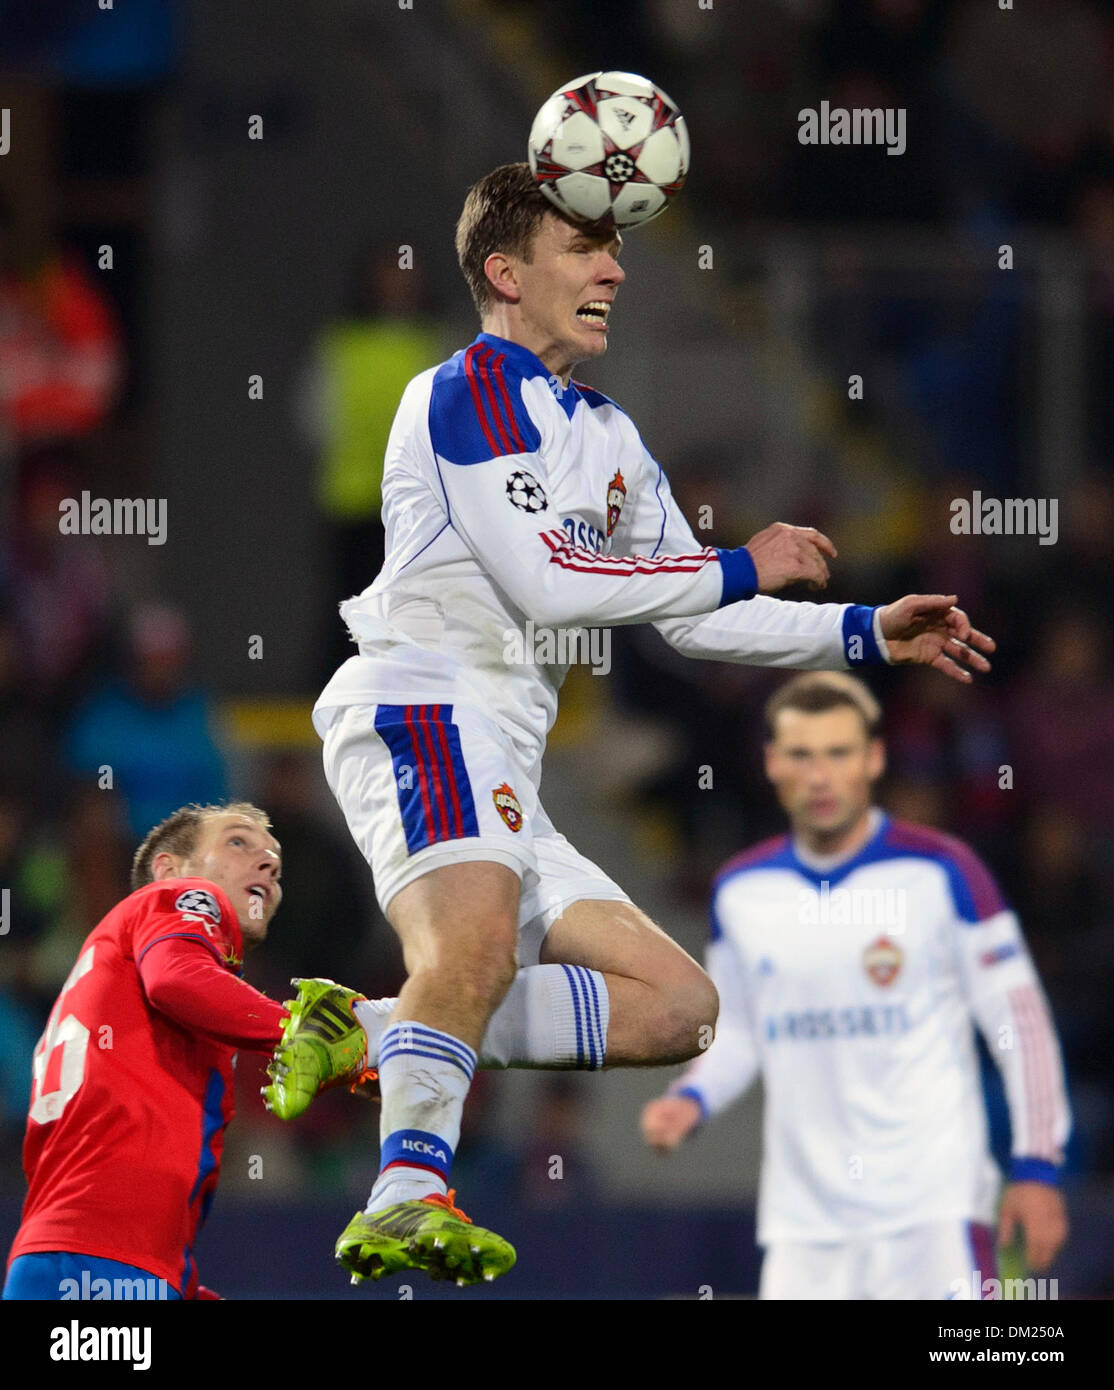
508 806
882 961
616 496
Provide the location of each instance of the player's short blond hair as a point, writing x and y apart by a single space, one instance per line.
178 834
503 212
816 692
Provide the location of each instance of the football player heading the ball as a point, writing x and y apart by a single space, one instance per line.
512 495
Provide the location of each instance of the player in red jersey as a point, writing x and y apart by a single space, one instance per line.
132 1078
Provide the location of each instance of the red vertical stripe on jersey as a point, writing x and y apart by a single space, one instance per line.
419 763
484 376
501 382
477 399
1036 1065
450 772
436 772
1017 1005
1042 1080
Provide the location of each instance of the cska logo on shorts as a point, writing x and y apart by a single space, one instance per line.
197 900
882 961
616 496
508 806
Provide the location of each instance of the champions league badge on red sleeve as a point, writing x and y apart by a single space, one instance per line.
198 900
882 961
508 806
616 496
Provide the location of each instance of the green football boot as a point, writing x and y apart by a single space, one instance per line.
323 1045
431 1235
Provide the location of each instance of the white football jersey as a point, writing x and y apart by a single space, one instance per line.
518 511
854 988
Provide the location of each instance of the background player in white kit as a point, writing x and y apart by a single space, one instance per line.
854 957
511 495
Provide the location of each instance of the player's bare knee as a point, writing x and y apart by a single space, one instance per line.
691 1017
493 972
707 1014
481 973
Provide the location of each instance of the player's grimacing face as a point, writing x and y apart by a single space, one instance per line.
823 768
244 859
567 289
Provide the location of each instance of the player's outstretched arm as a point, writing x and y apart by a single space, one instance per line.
183 980
928 630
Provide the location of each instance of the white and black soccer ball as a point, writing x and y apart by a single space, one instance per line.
525 492
610 147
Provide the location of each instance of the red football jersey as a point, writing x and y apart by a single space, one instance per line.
132 1082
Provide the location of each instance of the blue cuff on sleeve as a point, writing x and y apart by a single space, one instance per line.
859 645
691 1093
740 578
1034 1170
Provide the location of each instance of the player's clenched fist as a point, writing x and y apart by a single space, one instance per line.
668 1121
785 554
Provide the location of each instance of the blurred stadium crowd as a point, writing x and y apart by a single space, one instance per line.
104 730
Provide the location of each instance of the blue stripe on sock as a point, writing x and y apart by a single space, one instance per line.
387 1056
409 1037
576 1011
588 1055
601 1021
597 1016
589 1016
446 1040
432 1035
596 1052
423 1049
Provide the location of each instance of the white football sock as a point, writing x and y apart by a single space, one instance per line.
424 1076
552 1016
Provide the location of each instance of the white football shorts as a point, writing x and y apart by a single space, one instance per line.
939 1260
426 785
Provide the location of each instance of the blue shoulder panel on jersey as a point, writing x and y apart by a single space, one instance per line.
590 396
775 853
476 410
975 893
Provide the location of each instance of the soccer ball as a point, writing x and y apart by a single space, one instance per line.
611 148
